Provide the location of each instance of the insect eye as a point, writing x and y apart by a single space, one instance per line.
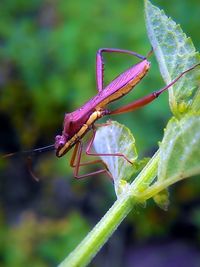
60 141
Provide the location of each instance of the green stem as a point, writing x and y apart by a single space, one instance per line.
146 176
89 247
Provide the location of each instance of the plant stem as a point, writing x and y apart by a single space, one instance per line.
146 176
88 248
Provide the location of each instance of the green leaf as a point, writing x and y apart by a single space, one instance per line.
195 107
180 149
116 138
175 53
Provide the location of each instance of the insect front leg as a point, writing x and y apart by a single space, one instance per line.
76 163
88 149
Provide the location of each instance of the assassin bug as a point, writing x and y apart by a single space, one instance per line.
76 124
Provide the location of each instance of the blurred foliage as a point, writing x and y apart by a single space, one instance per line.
47 68
41 242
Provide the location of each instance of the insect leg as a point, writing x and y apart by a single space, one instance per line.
149 98
100 63
76 156
102 154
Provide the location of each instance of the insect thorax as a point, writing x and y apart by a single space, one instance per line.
63 145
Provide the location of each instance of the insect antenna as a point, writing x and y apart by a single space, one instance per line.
30 154
30 168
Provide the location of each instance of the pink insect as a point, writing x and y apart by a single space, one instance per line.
79 122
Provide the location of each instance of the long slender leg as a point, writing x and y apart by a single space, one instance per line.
100 64
102 154
76 156
149 98
74 160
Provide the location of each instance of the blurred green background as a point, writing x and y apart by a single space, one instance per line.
47 68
